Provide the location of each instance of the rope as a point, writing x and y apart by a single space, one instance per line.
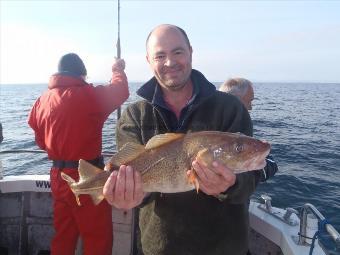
321 229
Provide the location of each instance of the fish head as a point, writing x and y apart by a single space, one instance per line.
238 152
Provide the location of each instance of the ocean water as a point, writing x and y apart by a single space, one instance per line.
300 120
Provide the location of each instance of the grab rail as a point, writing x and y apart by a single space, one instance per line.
303 224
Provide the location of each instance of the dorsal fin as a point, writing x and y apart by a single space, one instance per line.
162 139
127 153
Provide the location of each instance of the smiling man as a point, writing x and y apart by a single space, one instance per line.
180 99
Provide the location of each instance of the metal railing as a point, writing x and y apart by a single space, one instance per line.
309 208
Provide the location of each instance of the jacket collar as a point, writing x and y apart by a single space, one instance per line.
202 88
65 80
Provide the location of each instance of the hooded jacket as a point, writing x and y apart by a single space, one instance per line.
190 223
68 118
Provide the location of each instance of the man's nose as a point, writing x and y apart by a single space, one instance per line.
169 61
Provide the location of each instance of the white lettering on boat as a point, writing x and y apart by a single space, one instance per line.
43 184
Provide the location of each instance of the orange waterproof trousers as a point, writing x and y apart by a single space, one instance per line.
93 223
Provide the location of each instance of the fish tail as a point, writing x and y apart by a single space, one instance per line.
70 181
67 178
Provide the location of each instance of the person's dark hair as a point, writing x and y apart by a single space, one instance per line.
73 64
180 29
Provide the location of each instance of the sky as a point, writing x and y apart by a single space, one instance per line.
263 41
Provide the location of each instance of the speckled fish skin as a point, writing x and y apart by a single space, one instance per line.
164 167
164 161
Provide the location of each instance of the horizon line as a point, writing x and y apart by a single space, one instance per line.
136 81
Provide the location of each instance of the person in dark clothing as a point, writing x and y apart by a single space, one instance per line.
243 89
180 99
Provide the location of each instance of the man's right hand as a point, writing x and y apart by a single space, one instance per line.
123 189
118 65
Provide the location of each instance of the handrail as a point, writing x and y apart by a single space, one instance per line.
303 224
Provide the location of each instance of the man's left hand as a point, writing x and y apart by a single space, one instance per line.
215 179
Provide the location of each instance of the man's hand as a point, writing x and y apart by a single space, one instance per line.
213 180
123 189
118 65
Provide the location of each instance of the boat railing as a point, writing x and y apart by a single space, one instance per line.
307 209
285 217
312 222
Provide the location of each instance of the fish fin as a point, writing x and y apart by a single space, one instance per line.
67 178
70 181
192 179
97 197
127 153
162 139
78 200
205 157
87 170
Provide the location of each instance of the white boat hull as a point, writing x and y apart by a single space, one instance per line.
26 222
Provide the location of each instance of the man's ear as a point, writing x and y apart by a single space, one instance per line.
191 53
147 58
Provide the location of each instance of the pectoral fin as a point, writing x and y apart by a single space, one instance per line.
192 179
205 157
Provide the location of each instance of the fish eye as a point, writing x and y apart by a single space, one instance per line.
239 148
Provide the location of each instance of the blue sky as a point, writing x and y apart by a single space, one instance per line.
259 40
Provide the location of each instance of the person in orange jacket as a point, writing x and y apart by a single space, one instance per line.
68 120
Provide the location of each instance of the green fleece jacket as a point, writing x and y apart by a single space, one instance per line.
190 223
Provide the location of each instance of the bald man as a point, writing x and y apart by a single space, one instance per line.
180 99
243 89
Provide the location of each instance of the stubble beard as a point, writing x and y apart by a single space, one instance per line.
173 85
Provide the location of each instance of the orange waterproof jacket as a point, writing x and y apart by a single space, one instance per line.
68 118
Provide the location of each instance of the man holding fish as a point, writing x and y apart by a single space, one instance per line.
179 99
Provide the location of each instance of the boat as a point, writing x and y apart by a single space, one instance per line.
26 223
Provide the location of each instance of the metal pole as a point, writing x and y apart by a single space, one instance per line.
118 51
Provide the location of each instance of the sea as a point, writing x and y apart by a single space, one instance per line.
300 120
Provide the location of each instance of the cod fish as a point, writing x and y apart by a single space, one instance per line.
163 162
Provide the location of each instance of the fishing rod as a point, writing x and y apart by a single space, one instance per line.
105 153
118 51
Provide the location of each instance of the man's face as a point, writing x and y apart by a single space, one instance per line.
170 57
248 98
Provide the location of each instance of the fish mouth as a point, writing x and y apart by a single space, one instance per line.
256 163
262 164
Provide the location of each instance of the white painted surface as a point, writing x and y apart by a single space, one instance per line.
35 183
279 232
267 225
